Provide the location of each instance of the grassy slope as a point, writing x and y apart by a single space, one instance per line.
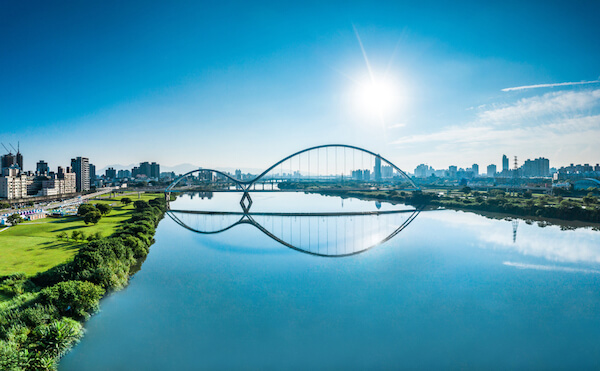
33 247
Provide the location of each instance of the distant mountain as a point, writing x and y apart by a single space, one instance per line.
116 167
178 169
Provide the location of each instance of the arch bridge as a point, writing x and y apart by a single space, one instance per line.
329 166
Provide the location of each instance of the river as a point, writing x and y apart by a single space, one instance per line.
448 289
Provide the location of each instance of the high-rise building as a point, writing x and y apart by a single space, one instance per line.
475 169
81 167
110 173
14 184
504 163
540 167
452 171
42 168
123 174
154 170
64 182
92 174
377 169
491 171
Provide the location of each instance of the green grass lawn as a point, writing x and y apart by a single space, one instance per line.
33 247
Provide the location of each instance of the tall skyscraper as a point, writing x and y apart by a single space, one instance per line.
42 168
377 169
92 174
491 171
81 167
110 173
504 163
475 169
154 170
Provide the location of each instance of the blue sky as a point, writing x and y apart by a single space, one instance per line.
242 84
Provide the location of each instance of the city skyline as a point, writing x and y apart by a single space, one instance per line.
434 83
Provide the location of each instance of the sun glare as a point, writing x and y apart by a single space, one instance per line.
377 97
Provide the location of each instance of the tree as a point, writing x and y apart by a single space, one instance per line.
466 189
84 209
14 219
104 209
92 217
62 235
126 201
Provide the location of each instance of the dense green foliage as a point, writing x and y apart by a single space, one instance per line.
495 200
85 208
41 322
104 209
92 217
14 219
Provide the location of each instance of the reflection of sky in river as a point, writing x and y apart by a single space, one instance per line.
581 245
451 291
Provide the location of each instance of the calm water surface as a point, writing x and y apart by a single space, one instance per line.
453 290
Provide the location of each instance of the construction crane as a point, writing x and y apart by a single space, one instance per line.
7 150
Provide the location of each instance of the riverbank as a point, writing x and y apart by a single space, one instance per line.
541 208
44 314
34 246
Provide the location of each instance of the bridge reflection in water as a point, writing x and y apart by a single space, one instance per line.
328 234
320 168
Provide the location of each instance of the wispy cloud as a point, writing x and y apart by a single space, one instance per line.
549 104
559 119
541 267
550 85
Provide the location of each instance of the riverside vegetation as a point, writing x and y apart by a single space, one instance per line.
563 206
43 315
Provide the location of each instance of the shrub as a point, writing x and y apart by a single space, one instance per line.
141 205
126 201
73 298
13 284
57 337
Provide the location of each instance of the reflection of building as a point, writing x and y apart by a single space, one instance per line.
81 167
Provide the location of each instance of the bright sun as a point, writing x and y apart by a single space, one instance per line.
377 97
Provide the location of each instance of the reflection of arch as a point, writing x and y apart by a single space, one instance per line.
246 184
250 218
